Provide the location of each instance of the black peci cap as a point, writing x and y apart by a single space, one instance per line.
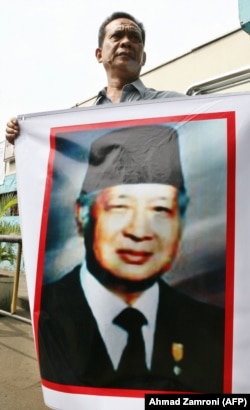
133 155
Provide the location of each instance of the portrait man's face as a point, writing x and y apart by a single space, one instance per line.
137 229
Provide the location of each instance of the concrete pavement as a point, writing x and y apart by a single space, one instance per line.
20 387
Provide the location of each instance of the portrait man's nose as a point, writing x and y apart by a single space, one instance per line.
137 225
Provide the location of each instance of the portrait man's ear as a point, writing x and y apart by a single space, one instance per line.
79 218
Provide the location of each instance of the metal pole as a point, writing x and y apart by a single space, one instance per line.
17 317
18 240
16 279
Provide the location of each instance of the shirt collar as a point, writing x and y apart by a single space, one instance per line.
106 304
137 84
140 87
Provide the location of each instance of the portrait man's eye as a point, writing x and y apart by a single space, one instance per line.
162 211
116 205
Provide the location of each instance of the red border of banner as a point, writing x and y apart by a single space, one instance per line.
230 243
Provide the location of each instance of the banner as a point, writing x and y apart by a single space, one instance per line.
135 225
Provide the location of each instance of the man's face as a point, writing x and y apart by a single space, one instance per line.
122 48
137 229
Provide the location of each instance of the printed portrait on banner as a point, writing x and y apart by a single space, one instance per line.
133 274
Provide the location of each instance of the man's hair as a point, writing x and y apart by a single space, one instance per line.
84 204
115 16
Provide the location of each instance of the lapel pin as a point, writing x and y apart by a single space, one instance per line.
178 354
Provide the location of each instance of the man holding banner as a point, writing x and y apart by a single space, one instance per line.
113 321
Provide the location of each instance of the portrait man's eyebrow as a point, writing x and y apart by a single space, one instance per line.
119 323
127 198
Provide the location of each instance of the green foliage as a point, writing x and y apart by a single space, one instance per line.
6 202
7 250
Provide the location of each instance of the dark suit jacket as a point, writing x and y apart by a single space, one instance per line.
72 352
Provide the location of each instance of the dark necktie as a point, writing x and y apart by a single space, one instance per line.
132 363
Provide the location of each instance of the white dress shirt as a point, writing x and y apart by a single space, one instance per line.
106 305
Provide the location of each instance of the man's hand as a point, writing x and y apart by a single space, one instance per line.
12 130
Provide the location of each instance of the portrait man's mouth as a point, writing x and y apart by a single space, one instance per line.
134 257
